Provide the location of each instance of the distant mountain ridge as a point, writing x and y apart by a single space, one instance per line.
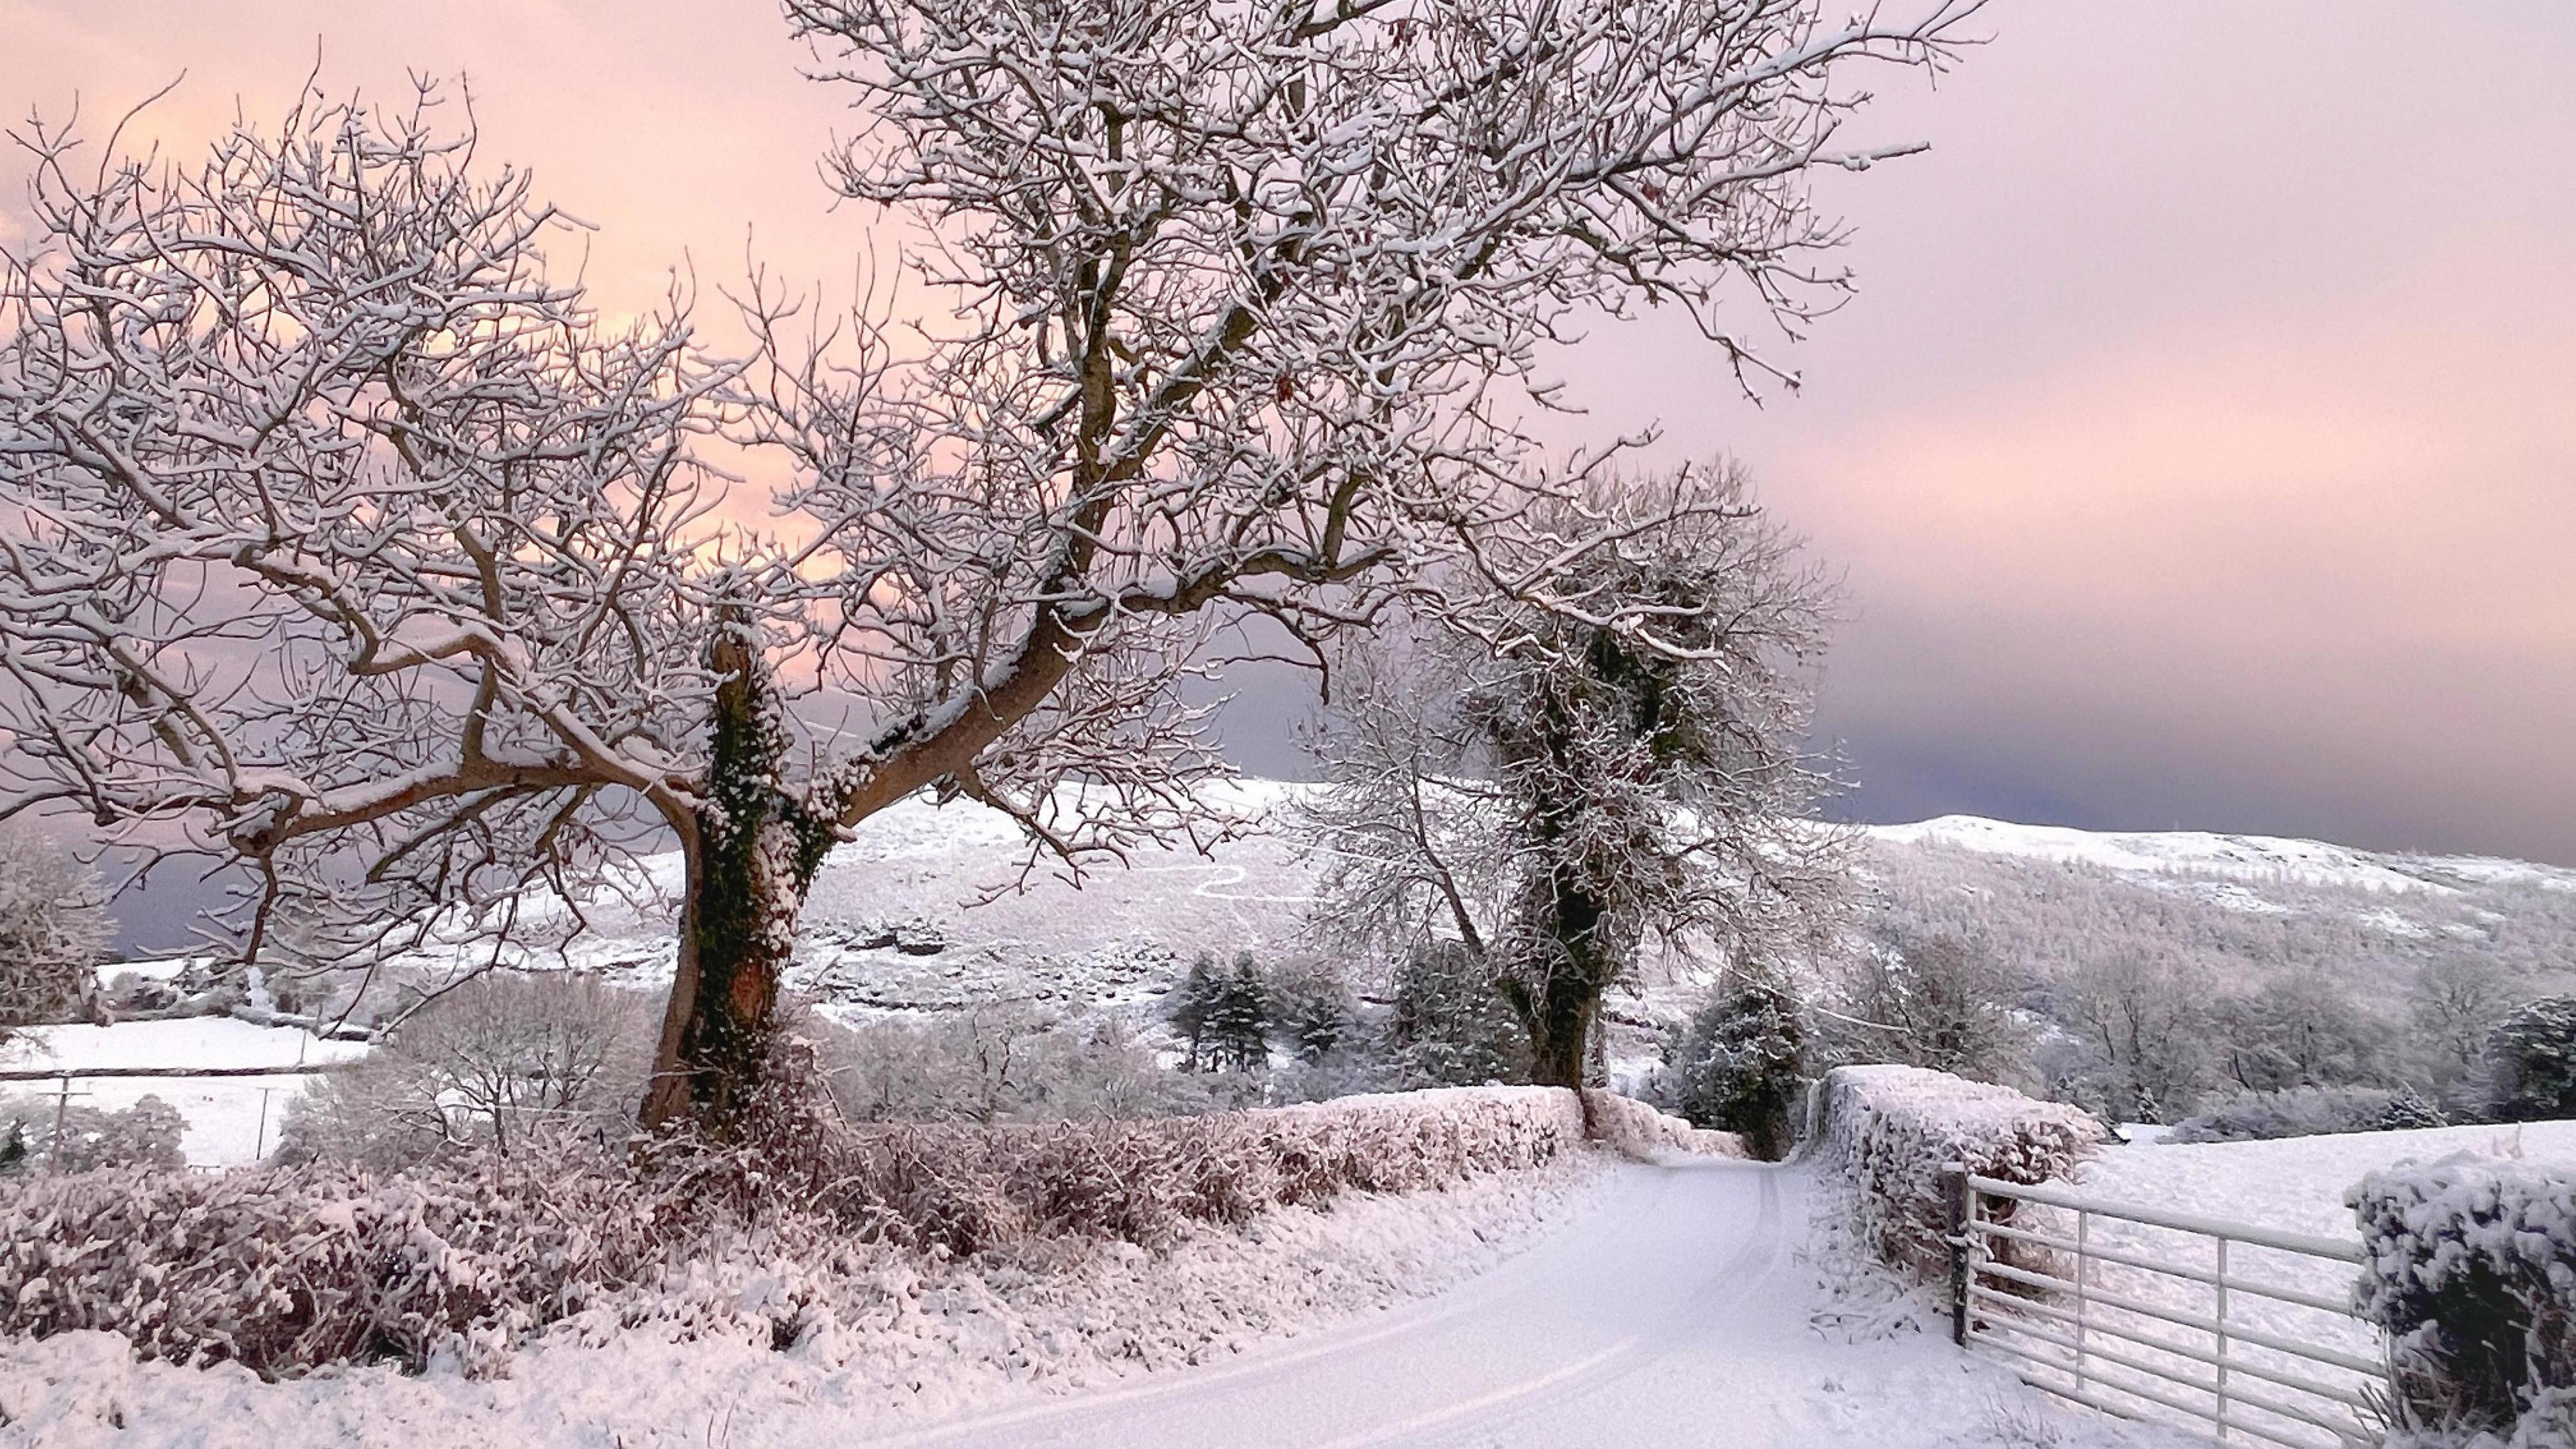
2242 857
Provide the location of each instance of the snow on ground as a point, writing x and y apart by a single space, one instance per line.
231 1120
2259 857
1633 1305
2297 1183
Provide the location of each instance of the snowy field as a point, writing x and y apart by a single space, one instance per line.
231 1120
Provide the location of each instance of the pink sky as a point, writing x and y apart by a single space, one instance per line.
2200 448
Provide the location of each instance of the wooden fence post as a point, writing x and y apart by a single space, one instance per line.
1954 1190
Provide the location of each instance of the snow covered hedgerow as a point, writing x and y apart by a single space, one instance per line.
287 1268
284 1269
1638 1129
2310 1112
2471 1268
1887 1131
962 1189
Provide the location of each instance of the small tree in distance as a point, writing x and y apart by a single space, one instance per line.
347 546
52 931
2531 1062
1239 1019
1191 1004
1740 1067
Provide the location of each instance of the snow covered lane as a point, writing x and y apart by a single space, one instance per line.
1677 1314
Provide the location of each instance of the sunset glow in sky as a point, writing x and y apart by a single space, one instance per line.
2200 449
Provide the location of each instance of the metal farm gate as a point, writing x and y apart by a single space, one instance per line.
2240 1332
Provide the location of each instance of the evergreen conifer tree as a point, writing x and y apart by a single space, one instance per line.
1739 1067
2531 1062
1238 1022
1192 1002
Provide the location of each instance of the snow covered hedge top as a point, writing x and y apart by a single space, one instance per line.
2471 1268
1888 1130
1640 1130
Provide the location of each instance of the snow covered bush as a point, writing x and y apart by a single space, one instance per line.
284 1269
53 928
2531 1062
1639 1130
963 1189
2471 1267
1737 1068
505 1064
144 1135
2310 1112
1888 1130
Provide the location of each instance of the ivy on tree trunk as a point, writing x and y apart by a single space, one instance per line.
755 850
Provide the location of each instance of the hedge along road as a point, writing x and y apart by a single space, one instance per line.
1675 1314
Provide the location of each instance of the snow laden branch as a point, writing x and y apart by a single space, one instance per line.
1243 300
342 541
338 540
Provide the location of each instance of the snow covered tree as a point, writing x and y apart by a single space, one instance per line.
2303 1029
1550 788
1450 1026
1740 1066
498 1063
1934 999
347 546
2456 1001
2531 1062
1238 1019
2142 1022
1190 1005
52 930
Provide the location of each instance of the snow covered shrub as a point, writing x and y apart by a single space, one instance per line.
144 1135
1639 1130
962 1190
2309 1112
2531 1062
1888 1130
53 927
2471 1267
284 1269
1002 1063
507 1064
1451 1026
1737 1067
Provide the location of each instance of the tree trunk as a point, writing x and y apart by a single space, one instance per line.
1559 1007
1560 1028
752 854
